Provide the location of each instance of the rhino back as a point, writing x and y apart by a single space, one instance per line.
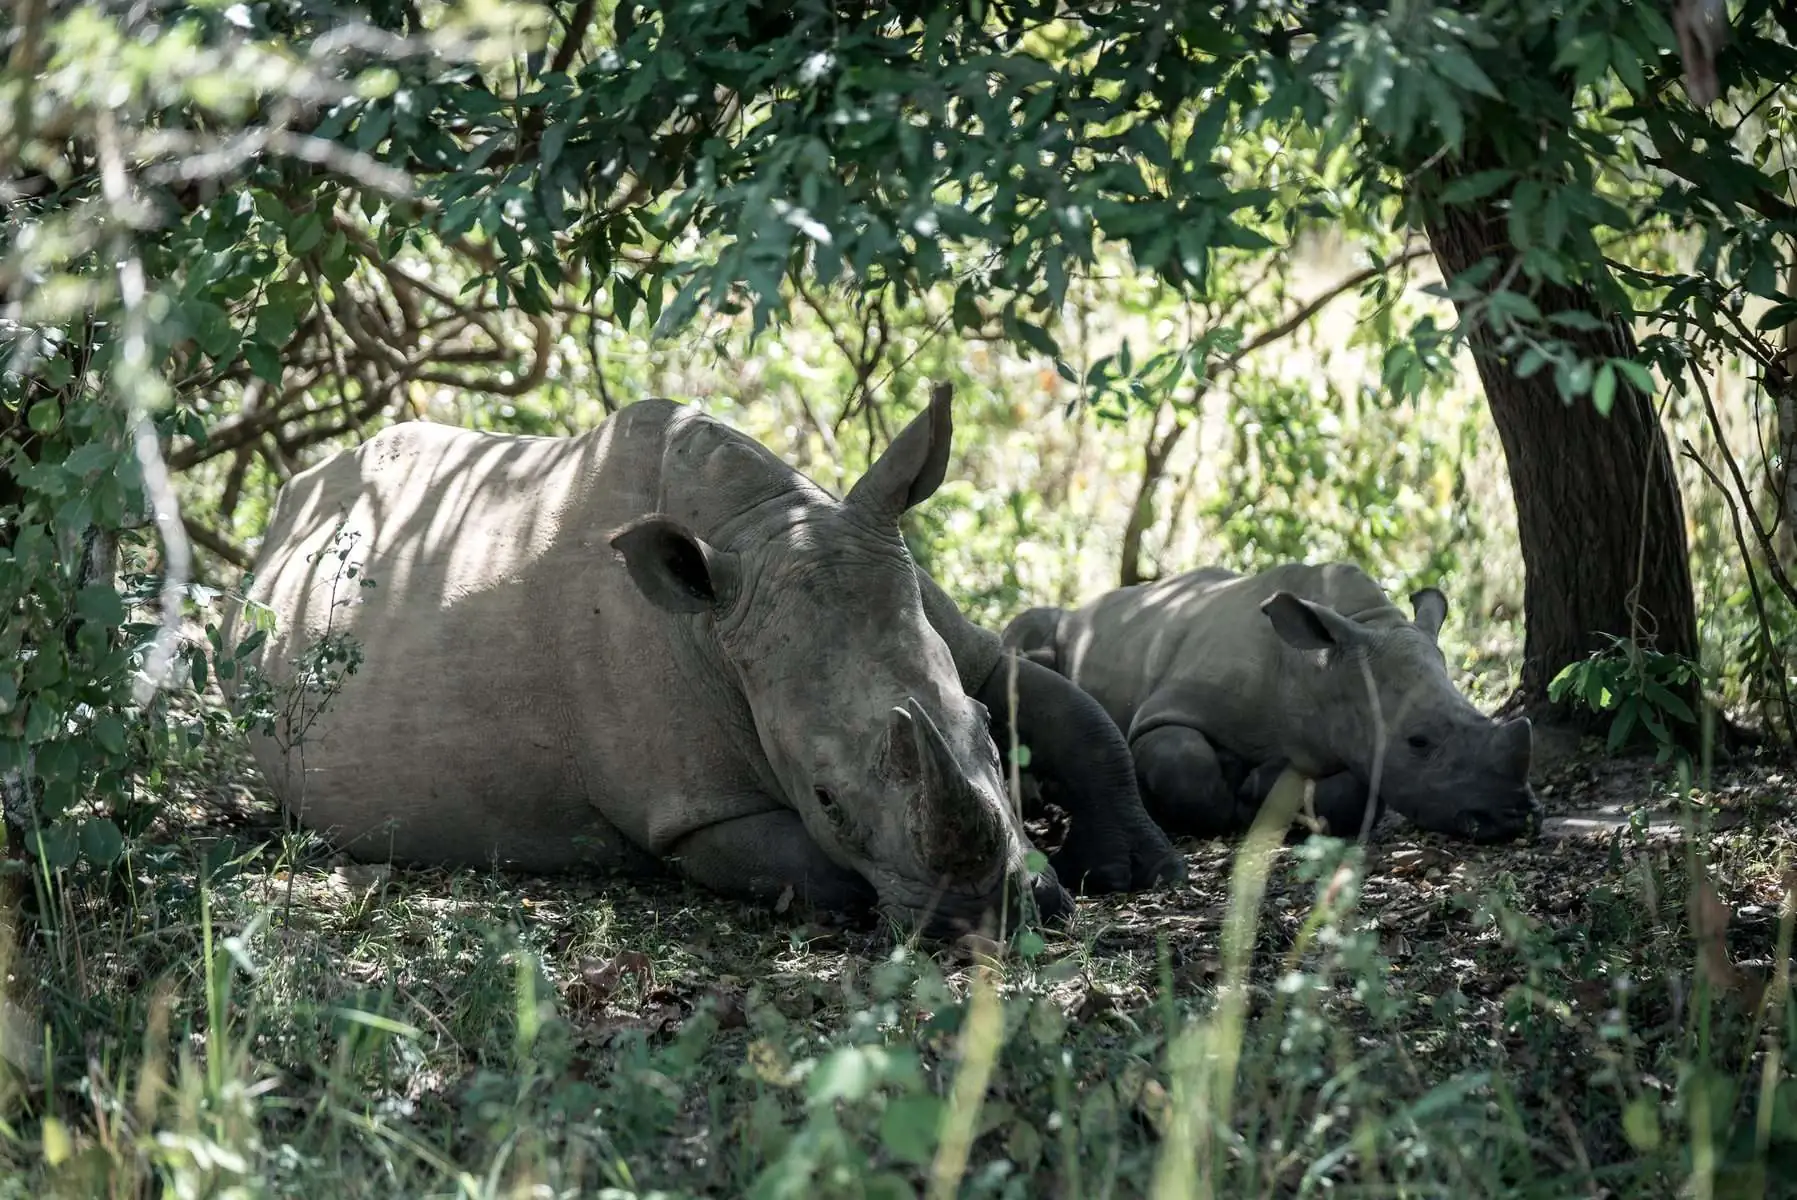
513 680
1198 645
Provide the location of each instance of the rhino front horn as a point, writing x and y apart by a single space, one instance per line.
1516 743
957 829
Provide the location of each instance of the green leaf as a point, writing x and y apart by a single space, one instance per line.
1670 702
101 841
89 457
265 362
1778 316
1031 335
59 760
1022 757
101 603
1641 1124
909 1127
1637 374
249 645
849 1073
1627 66
1578 319
1603 388
887 1185
56 845
305 233
1476 185
1626 716
1456 66
109 732
275 323
44 416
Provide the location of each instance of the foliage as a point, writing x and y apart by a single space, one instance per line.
1640 687
267 230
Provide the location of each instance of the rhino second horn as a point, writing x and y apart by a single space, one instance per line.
959 831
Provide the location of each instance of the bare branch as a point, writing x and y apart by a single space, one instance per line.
216 543
1305 312
221 162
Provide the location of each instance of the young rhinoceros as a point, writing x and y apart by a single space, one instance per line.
652 641
1221 680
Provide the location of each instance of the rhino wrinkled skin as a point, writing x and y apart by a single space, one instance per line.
654 641
1222 680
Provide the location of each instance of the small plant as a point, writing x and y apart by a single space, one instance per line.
1639 686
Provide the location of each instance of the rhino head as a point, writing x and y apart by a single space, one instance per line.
855 699
1446 766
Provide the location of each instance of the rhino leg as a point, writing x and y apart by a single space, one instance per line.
1079 761
1339 800
1186 785
756 858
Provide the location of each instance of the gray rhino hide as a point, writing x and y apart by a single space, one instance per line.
652 641
1221 680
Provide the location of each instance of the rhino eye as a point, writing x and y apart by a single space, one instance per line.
1419 743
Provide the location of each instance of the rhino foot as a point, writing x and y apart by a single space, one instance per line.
1103 854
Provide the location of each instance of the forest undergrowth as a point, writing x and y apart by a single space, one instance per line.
237 1011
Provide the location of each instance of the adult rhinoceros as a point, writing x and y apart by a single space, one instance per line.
1222 680
652 641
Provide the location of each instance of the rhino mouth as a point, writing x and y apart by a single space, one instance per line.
1504 818
1487 825
946 911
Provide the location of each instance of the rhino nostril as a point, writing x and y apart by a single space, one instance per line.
826 800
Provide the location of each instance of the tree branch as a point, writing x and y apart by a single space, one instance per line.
216 543
1305 312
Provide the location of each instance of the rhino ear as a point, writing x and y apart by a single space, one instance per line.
914 465
1306 625
672 566
1431 609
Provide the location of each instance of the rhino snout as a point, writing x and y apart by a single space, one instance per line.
1502 824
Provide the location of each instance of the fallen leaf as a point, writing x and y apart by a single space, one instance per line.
1095 1004
1709 925
977 946
597 980
1155 1106
727 1008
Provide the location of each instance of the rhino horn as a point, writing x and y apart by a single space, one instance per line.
1515 746
956 829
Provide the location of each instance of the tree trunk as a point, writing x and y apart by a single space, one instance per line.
1598 510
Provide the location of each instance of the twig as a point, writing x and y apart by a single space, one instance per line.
1305 312
1753 585
1753 517
177 563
